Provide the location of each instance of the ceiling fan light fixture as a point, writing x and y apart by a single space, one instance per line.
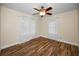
42 13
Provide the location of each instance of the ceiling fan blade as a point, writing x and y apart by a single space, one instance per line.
48 8
35 13
36 9
49 13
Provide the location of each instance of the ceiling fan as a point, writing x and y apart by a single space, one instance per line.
43 11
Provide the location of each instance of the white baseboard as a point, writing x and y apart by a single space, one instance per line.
70 43
6 46
76 44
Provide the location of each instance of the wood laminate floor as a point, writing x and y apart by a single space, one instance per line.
41 47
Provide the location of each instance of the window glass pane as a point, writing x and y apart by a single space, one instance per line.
52 27
28 26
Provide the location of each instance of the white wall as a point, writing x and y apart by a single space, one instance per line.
0 29
78 24
67 27
11 27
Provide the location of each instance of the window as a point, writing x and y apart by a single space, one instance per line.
52 27
28 26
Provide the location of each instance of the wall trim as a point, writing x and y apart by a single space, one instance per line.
6 46
62 41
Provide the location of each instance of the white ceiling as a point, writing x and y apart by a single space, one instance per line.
28 7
